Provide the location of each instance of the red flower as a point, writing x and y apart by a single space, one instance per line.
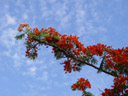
23 25
81 84
36 31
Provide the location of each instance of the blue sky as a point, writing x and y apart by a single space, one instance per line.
95 21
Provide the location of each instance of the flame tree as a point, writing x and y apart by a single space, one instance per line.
114 61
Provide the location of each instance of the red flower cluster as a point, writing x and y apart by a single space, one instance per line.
68 42
108 92
52 32
120 87
116 59
81 84
95 49
69 66
21 26
36 31
31 51
120 81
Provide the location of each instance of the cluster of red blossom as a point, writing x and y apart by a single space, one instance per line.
116 59
30 49
21 26
81 84
119 89
69 65
28 53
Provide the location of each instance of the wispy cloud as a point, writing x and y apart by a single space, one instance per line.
10 20
31 71
7 37
7 20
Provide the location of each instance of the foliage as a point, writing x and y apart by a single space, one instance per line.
87 94
114 61
18 37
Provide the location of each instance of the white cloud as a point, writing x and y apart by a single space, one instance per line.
17 60
10 20
85 26
15 56
31 71
20 4
7 37
7 20
80 16
29 62
25 16
57 10
6 53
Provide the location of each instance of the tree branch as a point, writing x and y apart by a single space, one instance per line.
74 58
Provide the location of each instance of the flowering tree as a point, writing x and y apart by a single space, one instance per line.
114 61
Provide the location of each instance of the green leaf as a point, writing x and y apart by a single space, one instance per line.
101 65
59 55
56 37
87 93
33 57
28 44
43 34
78 69
90 59
31 34
18 37
93 61
115 73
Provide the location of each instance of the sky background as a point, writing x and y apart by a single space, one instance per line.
94 21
